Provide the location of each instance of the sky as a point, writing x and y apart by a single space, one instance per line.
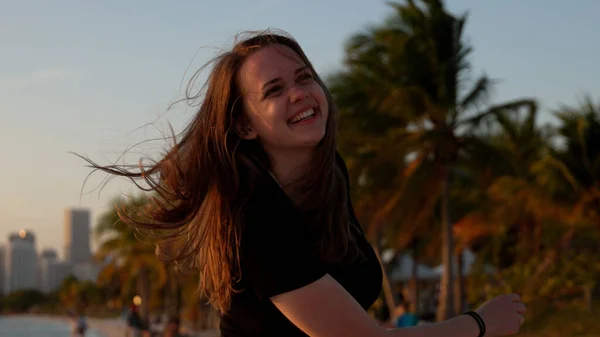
96 77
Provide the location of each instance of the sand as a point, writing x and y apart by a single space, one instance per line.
111 327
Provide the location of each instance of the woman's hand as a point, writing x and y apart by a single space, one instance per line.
502 315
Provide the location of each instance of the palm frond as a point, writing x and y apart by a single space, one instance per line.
477 96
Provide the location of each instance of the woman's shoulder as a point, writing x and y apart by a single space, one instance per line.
277 251
268 210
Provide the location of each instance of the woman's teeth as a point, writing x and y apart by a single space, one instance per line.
305 115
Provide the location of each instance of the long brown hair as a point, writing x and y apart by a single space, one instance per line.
204 180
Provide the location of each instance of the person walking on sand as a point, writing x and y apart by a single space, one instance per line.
73 321
134 323
79 325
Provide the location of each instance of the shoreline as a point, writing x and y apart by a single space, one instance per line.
107 327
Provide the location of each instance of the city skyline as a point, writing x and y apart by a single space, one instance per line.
71 82
24 266
59 250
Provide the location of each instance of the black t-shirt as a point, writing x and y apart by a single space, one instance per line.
276 257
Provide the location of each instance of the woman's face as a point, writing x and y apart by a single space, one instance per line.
286 107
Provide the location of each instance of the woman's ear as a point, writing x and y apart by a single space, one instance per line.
245 130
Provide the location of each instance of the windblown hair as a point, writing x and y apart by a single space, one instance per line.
203 182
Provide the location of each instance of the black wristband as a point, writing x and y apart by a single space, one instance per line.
479 321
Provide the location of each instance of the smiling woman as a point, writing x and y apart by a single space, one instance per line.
256 197
286 107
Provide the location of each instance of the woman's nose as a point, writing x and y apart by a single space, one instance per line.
297 93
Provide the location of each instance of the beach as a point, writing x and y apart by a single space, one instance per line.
49 325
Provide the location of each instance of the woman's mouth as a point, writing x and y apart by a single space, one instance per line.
303 116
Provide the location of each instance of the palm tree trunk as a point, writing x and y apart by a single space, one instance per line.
459 284
387 286
174 293
144 293
588 296
446 300
194 315
414 280
179 299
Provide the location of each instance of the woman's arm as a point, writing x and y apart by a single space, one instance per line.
325 309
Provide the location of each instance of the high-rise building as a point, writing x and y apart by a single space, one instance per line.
58 271
77 236
20 262
52 271
46 257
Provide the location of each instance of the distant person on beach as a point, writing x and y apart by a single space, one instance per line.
155 326
134 323
78 324
401 317
73 320
255 195
173 328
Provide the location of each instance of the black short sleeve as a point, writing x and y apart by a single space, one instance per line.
277 255
277 251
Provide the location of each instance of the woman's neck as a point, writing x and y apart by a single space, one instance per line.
288 166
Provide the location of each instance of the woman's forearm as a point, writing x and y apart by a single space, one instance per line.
461 326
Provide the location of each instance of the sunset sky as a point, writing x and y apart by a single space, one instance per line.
96 77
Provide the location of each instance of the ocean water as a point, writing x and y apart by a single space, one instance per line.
37 327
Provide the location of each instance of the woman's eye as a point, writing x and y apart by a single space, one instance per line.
273 90
305 78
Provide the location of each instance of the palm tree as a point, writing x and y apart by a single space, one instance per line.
541 199
408 77
532 188
132 259
577 164
519 144
69 293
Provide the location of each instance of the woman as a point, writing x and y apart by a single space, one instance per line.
256 197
